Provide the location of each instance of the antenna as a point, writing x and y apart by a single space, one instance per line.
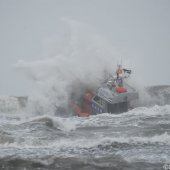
120 62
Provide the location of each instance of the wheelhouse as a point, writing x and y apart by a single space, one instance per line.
99 105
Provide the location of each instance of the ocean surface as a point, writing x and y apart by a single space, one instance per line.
136 140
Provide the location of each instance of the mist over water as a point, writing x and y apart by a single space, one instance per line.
81 57
36 137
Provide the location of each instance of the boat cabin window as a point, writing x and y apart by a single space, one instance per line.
99 101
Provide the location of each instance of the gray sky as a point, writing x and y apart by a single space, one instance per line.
139 29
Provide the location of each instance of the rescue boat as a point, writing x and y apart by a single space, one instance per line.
113 96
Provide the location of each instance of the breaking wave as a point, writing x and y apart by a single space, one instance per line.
36 134
84 59
137 139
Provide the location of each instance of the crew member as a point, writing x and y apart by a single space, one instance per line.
119 72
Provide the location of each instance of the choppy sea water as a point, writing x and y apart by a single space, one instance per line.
136 140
